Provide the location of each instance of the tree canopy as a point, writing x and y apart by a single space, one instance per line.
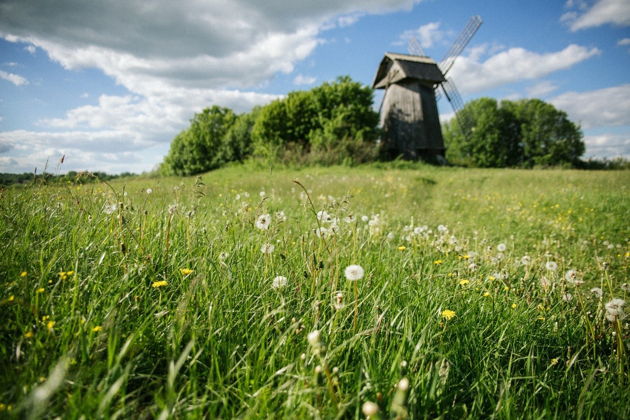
525 133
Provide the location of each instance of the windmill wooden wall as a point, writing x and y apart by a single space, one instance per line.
409 114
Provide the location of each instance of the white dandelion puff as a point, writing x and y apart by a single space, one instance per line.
279 282
573 277
614 309
110 208
314 338
551 265
263 221
597 292
280 216
354 272
267 248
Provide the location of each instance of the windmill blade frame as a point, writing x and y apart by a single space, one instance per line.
463 119
414 47
460 43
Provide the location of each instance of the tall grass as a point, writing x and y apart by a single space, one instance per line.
120 303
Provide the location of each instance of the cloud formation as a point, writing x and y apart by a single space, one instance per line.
597 108
616 12
174 58
474 74
16 79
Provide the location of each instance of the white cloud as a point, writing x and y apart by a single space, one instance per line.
616 12
607 146
427 35
597 108
623 42
515 64
541 89
304 80
175 58
16 79
31 49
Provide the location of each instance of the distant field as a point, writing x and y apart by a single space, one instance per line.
486 293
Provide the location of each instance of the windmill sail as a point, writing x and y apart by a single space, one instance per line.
460 43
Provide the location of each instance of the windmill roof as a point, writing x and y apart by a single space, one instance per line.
397 67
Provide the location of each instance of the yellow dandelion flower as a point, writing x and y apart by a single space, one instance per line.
438 262
50 325
97 328
69 273
160 283
41 290
464 282
11 298
185 271
448 314
514 306
554 361
402 248
23 274
541 318
28 334
486 294
491 278
42 379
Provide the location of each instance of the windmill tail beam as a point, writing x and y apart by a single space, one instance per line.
460 43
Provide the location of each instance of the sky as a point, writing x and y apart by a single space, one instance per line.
109 84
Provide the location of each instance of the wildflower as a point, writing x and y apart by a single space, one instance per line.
185 271
354 272
369 409
597 292
501 247
442 229
390 236
280 216
349 219
172 209
97 328
322 232
267 248
486 294
544 282
448 314
50 325
223 256
262 194
526 260
554 361
29 334
625 287
110 208
313 338
464 282
279 282
514 306
41 290
572 277
614 309
402 248
551 266
263 221
473 266
567 297
160 283
438 262
23 274
365 219
149 190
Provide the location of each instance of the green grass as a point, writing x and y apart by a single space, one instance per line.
85 333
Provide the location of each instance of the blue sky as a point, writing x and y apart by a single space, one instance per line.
110 83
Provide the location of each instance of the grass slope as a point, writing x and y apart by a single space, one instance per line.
121 303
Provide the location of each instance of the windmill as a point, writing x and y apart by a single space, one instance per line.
409 115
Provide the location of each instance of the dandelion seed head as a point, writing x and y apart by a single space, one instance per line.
551 265
354 272
501 247
279 282
369 408
403 384
614 309
313 338
597 292
267 248
263 221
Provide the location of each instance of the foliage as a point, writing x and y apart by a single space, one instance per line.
117 303
202 146
523 133
72 177
326 118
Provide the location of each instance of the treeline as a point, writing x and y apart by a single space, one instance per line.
71 177
524 133
333 123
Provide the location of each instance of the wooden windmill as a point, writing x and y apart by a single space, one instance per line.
409 116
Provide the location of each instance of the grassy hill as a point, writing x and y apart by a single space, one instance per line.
485 293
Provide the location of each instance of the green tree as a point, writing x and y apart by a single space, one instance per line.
513 133
201 147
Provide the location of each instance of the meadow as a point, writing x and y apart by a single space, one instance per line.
376 291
